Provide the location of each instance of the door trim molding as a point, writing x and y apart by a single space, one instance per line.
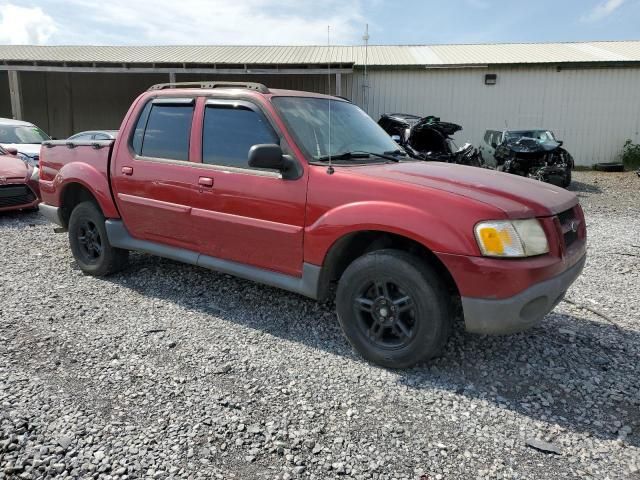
246 221
306 285
151 202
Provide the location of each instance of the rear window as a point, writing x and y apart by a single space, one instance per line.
163 130
167 133
138 133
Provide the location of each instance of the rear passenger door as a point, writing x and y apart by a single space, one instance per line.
247 215
153 179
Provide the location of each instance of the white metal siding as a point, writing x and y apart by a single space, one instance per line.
593 110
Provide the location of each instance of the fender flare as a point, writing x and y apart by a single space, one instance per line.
96 182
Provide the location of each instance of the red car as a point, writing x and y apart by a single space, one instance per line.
19 189
304 191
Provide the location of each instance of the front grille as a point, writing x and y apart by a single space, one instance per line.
15 195
570 226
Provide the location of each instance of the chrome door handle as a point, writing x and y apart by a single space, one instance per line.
127 170
205 182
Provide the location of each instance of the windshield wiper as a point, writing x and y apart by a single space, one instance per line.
358 154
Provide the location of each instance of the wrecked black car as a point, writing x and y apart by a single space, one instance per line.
428 138
534 153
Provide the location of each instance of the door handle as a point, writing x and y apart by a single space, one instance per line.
205 182
127 170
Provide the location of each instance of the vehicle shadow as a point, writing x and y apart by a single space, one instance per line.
570 371
581 187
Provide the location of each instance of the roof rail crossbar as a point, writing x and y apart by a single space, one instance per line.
259 87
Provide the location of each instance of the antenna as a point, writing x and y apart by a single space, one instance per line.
330 169
365 86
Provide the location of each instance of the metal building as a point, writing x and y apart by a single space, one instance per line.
588 93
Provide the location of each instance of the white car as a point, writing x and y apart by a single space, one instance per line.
23 137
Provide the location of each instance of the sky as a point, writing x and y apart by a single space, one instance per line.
304 22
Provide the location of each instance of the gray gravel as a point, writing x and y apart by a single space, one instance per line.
171 371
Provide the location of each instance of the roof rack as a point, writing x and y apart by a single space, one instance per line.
259 87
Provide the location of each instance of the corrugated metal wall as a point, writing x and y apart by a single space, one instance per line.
593 110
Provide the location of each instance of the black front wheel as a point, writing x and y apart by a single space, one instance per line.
89 243
393 309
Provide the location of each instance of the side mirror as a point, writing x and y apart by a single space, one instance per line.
12 151
270 156
266 156
560 142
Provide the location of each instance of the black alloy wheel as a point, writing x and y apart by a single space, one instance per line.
386 313
394 308
90 244
89 240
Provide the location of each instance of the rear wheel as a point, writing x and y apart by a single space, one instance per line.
89 243
393 309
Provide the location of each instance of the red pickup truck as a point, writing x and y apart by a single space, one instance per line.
304 191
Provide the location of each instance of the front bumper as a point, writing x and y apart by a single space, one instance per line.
521 311
17 196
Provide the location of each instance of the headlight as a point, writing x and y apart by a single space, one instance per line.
511 238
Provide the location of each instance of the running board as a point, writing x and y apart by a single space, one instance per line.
306 285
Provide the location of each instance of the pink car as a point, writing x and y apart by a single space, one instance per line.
19 188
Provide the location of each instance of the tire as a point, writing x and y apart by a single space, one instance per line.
609 167
567 179
89 243
394 309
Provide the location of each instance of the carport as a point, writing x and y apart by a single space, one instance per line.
68 89
585 92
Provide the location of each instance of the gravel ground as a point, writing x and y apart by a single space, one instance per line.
168 371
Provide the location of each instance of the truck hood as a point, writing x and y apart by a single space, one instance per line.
12 167
516 196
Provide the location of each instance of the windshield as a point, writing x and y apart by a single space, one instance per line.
22 134
541 135
352 130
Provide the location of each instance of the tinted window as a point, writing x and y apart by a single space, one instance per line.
167 132
102 136
138 133
229 133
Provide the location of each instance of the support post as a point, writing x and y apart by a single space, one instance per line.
338 84
172 77
15 94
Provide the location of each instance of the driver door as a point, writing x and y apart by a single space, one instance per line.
243 214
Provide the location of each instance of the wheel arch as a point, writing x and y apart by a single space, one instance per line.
353 245
73 194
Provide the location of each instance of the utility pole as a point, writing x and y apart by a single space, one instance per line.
365 81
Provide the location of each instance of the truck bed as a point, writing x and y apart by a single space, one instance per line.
64 163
